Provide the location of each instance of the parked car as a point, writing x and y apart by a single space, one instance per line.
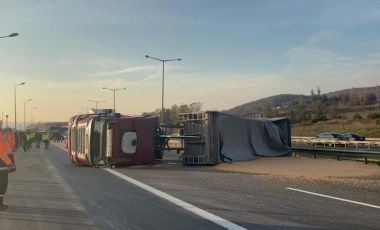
354 137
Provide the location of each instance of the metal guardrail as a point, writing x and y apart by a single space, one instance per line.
358 149
309 141
308 138
339 152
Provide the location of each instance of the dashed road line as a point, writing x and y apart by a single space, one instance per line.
335 198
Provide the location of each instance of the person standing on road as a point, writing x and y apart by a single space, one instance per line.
38 138
7 165
46 139
24 141
30 138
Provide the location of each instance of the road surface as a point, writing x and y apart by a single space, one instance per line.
48 192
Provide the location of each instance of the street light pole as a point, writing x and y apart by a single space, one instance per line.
24 111
31 115
9 36
96 103
114 90
163 81
23 83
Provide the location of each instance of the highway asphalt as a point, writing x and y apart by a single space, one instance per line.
48 192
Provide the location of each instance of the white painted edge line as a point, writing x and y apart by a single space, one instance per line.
335 198
202 213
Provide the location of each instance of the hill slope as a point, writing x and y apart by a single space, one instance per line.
273 101
283 100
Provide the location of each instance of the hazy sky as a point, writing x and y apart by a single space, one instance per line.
233 52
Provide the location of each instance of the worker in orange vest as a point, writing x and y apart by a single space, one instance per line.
7 142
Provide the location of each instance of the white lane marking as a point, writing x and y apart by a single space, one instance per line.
335 198
202 213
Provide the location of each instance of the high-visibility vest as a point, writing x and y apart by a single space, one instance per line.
6 147
45 137
29 136
11 141
12 138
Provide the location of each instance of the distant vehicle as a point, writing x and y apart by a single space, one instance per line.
64 132
332 136
354 137
329 137
55 132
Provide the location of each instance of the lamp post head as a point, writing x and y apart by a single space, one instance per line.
23 83
146 56
13 35
9 36
179 59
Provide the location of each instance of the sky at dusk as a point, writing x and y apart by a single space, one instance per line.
232 52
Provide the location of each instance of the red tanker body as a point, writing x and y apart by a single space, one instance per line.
112 139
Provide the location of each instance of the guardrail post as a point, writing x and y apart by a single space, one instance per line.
337 156
366 160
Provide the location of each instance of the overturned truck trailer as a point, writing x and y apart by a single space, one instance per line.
108 138
225 137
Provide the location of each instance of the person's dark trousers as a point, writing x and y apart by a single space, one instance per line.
3 183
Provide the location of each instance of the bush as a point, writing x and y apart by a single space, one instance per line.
357 116
319 118
373 115
314 120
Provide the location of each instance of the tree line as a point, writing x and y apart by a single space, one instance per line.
171 114
319 107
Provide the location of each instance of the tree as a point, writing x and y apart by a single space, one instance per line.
183 108
266 110
312 95
353 98
171 115
195 107
317 106
318 92
370 98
